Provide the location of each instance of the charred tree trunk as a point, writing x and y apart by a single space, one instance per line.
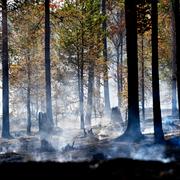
82 95
121 63
133 126
177 29
90 95
37 101
106 79
142 76
80 91
81 72
97 107
173 58
5 73
118 78
119 49
158 131
29 96
47 64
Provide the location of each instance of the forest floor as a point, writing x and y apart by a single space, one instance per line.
98 154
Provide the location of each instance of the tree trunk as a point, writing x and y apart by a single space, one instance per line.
97 106
29 96
119 69
173 58
133 126
158 131
118 78
90 95
177 29
82 94
142 76
5 75
106 79
80 91
121 62
47 63
37 100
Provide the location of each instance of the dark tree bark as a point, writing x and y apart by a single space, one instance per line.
48 63
91 68
142 76
97 99
5 73
90 95
118 77
80 59
121 62
133 126
173 58
82 78
29 96
158 131
177 29
80 90
82 93
119 52
106 79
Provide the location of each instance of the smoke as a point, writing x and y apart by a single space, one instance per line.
151 153
69 143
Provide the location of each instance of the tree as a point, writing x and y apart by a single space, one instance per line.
117 34
81 41
73 42
158 131
177 29
173 59
133 126
5 76
106 79
93 25
48 63
81 71
143 25
29 95
26 28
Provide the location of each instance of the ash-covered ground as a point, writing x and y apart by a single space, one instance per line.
68 143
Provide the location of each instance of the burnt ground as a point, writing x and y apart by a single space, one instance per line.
100 163
118 168
90 157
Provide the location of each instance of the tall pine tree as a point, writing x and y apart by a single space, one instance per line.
48 63
5 75
158 131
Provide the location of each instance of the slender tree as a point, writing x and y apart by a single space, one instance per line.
81 66
81 82
177 29
5 75
143 25
158 131
173 58
48 63
142 77
90 95
29 95
133 126
117 29
92 56
106 79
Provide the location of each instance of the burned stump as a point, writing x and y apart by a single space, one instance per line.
45 124
116 116
45 129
